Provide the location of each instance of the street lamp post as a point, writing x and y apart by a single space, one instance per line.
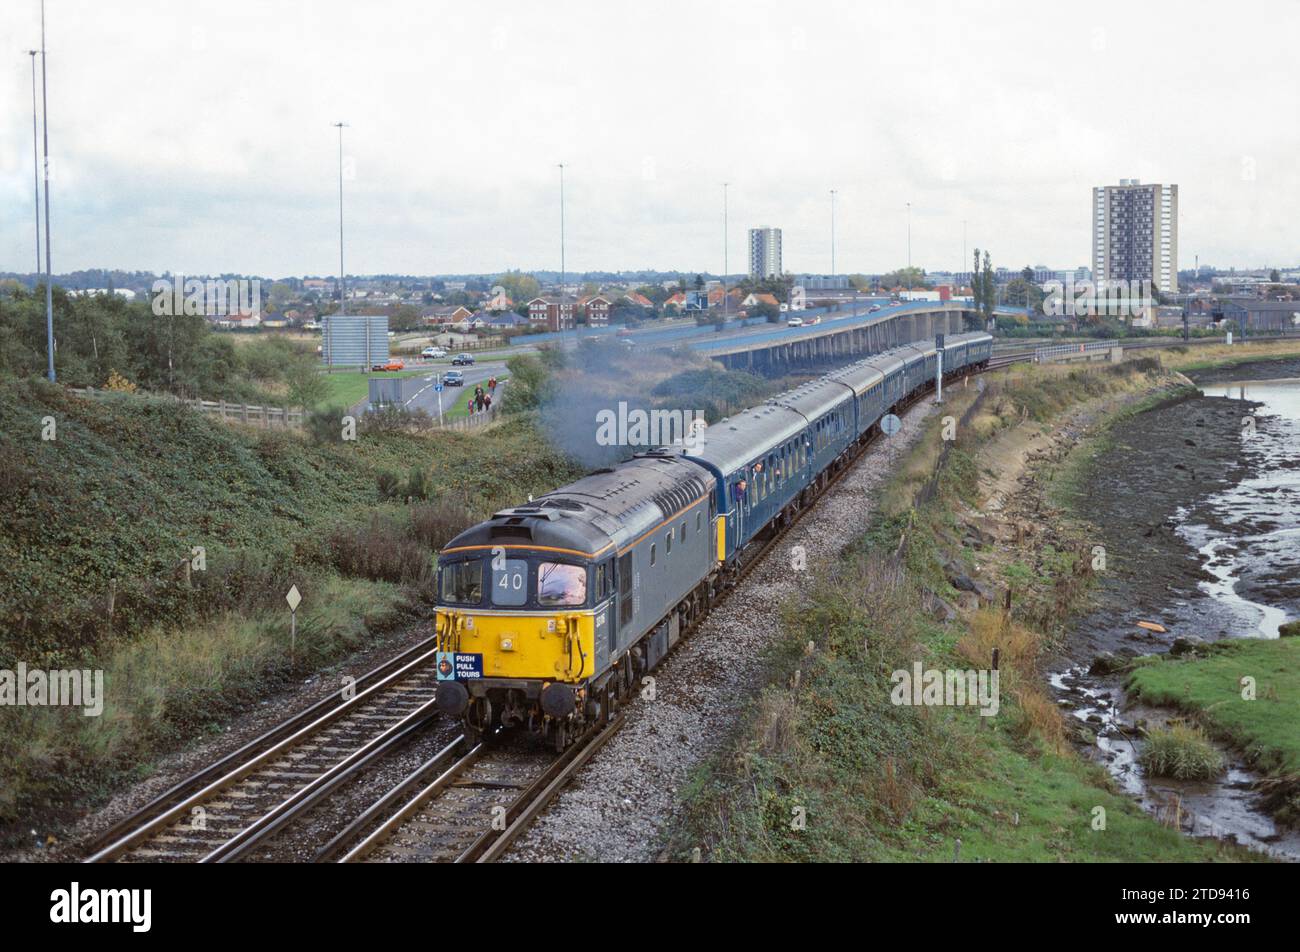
909 252
725 262
36 165
49 269
832 236
559 307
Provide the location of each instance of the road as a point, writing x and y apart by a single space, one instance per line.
426 397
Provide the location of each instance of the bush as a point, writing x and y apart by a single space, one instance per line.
326 424
389 484
394 419
382 552
437 523
1180 752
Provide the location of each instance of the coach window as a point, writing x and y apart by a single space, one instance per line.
699 521
668 542
652 553
682 536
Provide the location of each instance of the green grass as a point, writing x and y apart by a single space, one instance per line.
348 387
164 686
1210 689
1181 752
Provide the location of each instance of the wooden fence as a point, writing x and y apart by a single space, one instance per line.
265 417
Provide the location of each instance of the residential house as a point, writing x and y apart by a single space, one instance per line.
676 302
553 312
637 299
596 308
445 315
498 300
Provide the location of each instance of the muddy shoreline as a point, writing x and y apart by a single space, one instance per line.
1168 460
1161 472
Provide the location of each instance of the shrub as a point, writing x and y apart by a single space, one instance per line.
437 523
382 552
326 424
389 484
1181 752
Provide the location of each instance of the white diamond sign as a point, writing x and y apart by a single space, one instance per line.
293 598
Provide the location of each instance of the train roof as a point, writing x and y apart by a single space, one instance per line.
606 509
814 398
735 440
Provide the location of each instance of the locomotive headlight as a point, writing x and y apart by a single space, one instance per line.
507 643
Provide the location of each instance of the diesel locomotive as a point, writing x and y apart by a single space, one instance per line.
548 614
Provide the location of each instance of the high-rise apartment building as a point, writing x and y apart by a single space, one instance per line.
765 253
1135 234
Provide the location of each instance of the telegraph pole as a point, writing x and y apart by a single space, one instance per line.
49 270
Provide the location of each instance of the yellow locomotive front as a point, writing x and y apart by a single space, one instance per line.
518 617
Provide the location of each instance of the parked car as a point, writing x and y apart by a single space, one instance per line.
463 360
393 364
433 353
453 378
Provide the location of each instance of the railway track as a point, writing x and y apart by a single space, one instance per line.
467 804
223 811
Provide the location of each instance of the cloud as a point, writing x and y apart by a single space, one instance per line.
198 137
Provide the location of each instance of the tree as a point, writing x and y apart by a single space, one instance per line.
307 386
768 311
989 294
1274 276
521 287
699 281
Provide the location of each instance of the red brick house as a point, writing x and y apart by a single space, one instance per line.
555 313
596 308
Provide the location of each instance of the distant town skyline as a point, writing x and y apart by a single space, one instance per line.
995 126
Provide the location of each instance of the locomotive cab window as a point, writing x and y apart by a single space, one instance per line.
510 583
562 585
462 582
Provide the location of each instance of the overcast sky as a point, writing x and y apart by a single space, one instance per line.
194 135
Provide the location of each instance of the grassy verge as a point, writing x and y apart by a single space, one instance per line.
97 524
828 766
1258 717
166 685
1192 359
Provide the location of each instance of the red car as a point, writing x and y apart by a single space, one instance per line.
393 364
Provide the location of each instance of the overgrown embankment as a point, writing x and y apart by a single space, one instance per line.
839 761
105 505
